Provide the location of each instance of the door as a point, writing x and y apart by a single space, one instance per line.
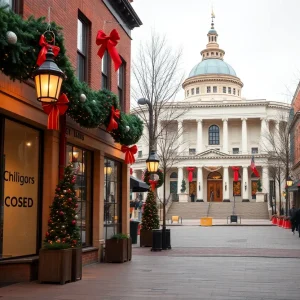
214 190
173 190
192 190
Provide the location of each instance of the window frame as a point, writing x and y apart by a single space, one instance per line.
208 89
121 83
235 150
215 89
214 135
224 90
105 74
254 151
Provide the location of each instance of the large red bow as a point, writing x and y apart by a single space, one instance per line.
54 110
190 177
129 153
42 55
153 184
113 124
235 173
109 43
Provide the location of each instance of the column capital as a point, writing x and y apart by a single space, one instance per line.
225 119
225 167
244 119
264 119
199 167
245 166
199 120
180 120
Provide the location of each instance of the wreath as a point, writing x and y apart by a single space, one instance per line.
160 180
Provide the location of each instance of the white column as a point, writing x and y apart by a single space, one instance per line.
276 133
199 136
245 184
265 179
264 130
200 184
226 184
180 135
225 135
180 178
244 136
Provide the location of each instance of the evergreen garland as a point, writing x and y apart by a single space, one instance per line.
18 61
160 180
150 218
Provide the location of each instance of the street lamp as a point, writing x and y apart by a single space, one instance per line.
289 182
107 168
152 162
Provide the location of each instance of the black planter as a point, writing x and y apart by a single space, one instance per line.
156 240
168 239
134 231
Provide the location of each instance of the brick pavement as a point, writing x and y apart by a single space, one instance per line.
182 273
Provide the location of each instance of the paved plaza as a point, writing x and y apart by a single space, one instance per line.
218 263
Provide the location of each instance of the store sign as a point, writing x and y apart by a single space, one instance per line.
76 134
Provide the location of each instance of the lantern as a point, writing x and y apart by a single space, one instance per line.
107 168
289 181
152 162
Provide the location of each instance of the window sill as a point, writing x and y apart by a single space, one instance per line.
89 249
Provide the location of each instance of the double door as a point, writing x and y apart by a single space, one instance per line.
214 190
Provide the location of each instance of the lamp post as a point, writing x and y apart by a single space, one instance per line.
289 182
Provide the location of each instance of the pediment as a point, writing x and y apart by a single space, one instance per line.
212 153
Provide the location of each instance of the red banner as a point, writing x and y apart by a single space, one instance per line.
109 43
235 173
113 124
190 176
129 153
54 110
153 184
42 55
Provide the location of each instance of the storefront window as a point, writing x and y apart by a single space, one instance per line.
20 154
112 198
82 162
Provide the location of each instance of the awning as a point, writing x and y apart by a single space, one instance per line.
295 187
137 185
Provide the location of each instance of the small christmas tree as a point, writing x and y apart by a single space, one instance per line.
259 187
150 218
183 186
62 229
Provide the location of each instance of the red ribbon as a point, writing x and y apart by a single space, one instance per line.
42 55
113 124
109 43
153 184
235 173
131 171
129 153
190 177
54 110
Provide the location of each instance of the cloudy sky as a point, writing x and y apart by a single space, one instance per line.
261 38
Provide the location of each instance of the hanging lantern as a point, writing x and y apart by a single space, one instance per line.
289 181
48 79
152 162
107 168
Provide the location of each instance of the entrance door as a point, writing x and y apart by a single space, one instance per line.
173 190
214 190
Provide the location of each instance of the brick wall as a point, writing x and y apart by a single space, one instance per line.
65 14
296 129
89 257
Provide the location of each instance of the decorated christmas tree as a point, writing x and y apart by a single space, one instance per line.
183 186
63 231
150 218
259 187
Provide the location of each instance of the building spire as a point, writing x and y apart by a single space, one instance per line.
212 18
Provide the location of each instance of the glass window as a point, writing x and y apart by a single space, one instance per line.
82 46
82 163
215 89
193 91
254 150
234 91
224 89
187 93
214 135
112 198
208 89
235 150
19 199
229 90
105 67
192 151
140 154
197 90
238 92
121 84
173 175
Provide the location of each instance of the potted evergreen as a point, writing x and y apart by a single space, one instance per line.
150 220
118 248
60 258
183 197
260 196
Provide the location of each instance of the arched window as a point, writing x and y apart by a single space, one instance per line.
214 135
173 175
214 175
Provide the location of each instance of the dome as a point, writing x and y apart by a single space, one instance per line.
212 66
212 31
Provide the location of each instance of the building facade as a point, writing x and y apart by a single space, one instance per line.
30 154
220 130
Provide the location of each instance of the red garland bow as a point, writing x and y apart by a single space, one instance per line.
42 55
109 43
235 173
113 124
129 153
190 177
54 110
153 184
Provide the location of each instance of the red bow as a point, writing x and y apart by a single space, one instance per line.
129 153
109 43
235 173
131 171
190 177
113 124
153 184
54 110
42 55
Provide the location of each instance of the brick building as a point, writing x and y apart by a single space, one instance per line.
29 150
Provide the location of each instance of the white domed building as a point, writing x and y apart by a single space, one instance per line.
221 130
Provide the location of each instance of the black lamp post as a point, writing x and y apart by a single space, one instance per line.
48 79
152 162
289 182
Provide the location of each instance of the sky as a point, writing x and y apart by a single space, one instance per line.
261 39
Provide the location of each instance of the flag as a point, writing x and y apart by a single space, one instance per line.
253 168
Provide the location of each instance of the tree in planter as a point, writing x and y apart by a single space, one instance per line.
259 187
62 229
183 186
150 219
